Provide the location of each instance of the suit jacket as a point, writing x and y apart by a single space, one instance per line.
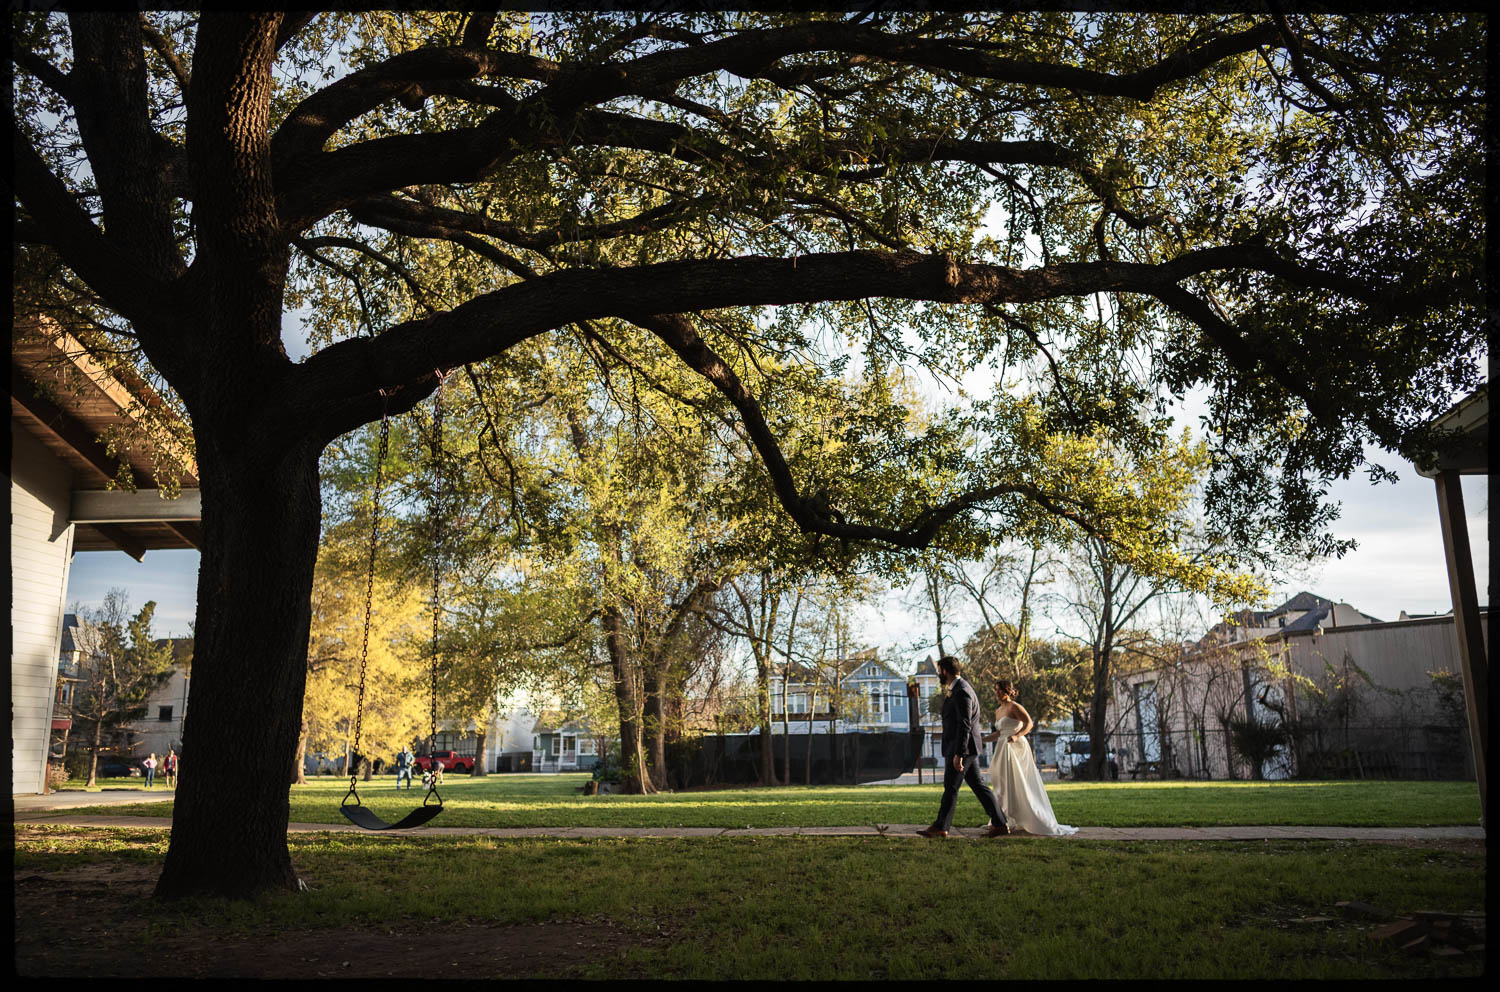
961 727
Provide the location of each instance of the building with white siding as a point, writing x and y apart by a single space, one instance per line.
62 503
160 727
1360 696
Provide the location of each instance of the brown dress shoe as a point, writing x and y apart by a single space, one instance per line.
932 832
997 830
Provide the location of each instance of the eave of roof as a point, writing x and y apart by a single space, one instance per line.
65 400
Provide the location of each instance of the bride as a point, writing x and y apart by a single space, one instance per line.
1013 772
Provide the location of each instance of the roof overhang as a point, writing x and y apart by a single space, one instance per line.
67 402
1469 454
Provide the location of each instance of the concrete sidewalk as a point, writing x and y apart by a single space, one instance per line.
72 799
1409 835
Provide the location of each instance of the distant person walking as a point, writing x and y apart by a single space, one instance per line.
150 765
404 762
169 767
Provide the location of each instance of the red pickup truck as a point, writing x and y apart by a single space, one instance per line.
452 761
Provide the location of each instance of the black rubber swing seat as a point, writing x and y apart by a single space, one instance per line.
361 816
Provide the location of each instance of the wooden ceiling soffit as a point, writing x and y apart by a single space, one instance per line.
62 426
50 352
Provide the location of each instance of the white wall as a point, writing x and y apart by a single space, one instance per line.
41 547
151 733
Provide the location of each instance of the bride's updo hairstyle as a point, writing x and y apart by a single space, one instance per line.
1005 687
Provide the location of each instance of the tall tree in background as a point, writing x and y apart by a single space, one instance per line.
1053 678
396 706
119 665
1280 208
1109 592
1016 576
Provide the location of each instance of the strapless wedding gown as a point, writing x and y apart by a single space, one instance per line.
1018 785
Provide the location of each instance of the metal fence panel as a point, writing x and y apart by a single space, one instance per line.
1384 751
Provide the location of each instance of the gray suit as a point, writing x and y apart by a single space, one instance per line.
962 737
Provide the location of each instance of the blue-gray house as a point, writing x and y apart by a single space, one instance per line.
858 693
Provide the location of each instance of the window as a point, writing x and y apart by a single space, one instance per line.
586 746
164 714
1146 720
570 744
556 744
536 743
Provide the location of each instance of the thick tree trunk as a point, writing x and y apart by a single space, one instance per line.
634 776
260 527
481 759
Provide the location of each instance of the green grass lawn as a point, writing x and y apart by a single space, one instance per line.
783 908
556 801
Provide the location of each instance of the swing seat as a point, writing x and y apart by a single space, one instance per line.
361 816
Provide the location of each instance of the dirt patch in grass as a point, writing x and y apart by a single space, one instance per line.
77 923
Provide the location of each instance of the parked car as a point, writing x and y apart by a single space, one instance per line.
117 769
1073 757
452 761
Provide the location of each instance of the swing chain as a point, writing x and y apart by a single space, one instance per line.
437 557
364 647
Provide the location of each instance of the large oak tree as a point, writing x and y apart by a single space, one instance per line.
1284 210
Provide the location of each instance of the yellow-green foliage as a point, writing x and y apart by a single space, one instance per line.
396 700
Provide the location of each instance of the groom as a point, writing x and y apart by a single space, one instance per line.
961 747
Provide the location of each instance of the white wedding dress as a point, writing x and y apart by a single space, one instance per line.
1018 785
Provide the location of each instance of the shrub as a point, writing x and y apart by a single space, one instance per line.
1257 741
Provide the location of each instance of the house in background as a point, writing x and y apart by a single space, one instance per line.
67 686
878 694
563 747
929 712
1360 693
155 731
1304 611
160 727
61 402
854 694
